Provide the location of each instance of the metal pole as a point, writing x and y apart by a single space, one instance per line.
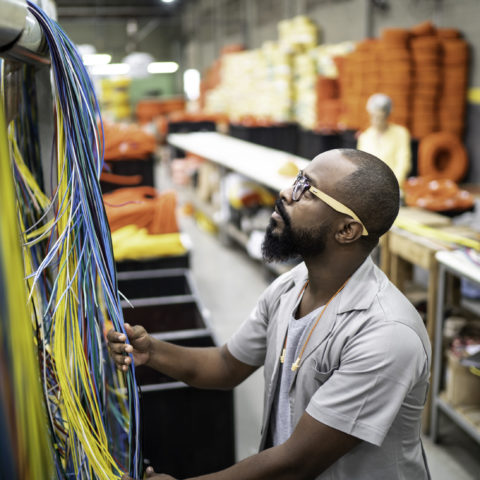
21 37
12 21
437 352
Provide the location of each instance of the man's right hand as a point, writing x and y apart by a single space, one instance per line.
140 346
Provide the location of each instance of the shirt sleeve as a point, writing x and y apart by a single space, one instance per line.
249 343
378 368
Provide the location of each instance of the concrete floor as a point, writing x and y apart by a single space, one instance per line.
229 283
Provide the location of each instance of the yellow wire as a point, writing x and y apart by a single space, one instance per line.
33 445
72 371
84 435
436 234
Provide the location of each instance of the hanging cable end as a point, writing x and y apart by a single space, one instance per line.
296 364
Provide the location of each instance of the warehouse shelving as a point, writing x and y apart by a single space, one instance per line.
258 163
454 263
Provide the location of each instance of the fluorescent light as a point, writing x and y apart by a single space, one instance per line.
168 1
96 59
191 83
110 69
162 67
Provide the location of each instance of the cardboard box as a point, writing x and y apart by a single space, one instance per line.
463 387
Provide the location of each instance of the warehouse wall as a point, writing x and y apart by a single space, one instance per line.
337 20
255 21
110 35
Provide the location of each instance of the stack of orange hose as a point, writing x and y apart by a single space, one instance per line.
328 106
395 68
149 109
127 141
451 114
196 117
436 194
358 80
426 54
144 207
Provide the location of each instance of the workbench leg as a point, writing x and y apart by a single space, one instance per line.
385 256
430 325
400 271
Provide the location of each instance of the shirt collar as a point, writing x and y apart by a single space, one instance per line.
358 293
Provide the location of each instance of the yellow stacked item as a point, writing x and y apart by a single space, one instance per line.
298 33
133 243
115 98
289 169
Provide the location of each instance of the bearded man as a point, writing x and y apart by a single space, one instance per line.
346 357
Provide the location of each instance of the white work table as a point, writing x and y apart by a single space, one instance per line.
254 161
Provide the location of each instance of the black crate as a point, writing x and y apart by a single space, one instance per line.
159 316
129 167
349 138
280 137
170 261
313 143
187 127
155 283
149 379
186 431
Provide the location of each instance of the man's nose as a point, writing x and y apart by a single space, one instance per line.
286 194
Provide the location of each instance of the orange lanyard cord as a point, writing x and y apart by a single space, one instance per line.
296 364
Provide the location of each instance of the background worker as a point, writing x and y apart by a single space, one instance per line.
346 356
385 140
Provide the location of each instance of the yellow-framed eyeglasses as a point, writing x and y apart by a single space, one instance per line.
302 184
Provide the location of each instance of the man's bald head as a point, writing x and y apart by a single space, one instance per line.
370 189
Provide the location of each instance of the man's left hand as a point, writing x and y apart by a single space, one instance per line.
151 474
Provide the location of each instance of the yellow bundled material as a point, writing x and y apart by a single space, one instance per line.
134 243
298 33
244 193
288 169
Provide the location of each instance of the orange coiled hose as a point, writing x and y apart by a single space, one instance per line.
442 155
127 141
144 207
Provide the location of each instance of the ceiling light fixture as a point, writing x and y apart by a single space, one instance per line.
162 67
96 59
110 69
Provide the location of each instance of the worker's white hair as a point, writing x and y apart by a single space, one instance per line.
379 101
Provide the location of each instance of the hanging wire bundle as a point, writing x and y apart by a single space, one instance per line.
93 411
25 445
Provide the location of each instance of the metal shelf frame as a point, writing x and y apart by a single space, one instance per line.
453 263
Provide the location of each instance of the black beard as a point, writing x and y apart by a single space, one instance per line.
291 244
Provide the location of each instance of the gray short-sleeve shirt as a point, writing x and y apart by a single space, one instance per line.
365 370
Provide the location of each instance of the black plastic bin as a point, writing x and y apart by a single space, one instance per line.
311 143
130 167
170 261
186 431
155 283
164 315
280 137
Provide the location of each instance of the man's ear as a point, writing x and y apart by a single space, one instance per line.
348 231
